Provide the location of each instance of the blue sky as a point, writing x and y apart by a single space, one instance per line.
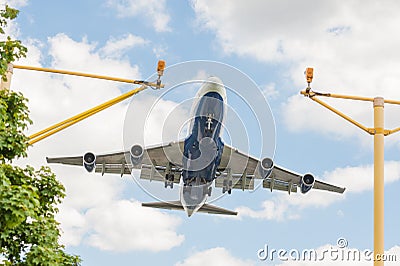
354 50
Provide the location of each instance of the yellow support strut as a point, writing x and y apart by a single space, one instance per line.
75 119
368 130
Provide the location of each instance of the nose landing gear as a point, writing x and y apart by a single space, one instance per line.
209 123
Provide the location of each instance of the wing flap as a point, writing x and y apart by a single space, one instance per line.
121 169
243 183
279 185
149 172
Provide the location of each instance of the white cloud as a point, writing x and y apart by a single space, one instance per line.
271 210
73 224
353 50
155 11
13 3
115 46
151 120
122 225
90 197
356 179
270 90
86 56
214 257
160 51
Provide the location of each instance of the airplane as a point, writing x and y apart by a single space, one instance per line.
199 161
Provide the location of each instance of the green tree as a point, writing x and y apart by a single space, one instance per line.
29 232
10 50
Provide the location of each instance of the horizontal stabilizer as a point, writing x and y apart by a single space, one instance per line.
177 205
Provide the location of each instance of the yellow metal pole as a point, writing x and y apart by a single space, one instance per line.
378 180
75 119
79 74
90 111
346 97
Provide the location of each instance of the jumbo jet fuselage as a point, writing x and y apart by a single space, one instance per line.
203 147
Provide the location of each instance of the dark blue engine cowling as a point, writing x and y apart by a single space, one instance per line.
136 154
307 182
89 161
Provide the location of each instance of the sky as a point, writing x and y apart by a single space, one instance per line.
353 48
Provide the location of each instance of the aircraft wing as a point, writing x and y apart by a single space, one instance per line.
154 158
241 169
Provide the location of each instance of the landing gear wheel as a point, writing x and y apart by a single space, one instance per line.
169 180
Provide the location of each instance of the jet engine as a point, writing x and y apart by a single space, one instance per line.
136 154
89 161
265 167
307 182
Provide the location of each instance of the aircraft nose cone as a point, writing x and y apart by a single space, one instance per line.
214 79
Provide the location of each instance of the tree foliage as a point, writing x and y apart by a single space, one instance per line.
14 120
29 232
10 50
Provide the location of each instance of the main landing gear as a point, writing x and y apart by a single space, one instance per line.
227 186
169 181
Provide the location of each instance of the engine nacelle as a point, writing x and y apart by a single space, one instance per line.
265 167
89 161
307 182
136 154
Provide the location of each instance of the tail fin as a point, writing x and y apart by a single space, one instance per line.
177 205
